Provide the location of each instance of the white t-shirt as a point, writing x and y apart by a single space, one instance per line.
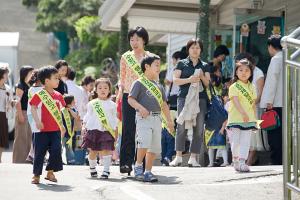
169 77
31 92
92 121
76 91
257 74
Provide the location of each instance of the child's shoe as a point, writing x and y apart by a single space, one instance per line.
244 167
236 165
139 173
94 173
210 165
224 164
104 175
193 163
50 176
35 180
149 177
166 162
176 162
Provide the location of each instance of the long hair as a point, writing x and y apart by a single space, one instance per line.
240 63
102 80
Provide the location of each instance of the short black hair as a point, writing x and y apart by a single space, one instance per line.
24 72
192 42
141 32
148 60
87 80
46 73
221 49
177 55
60 63
71 74
274 41
3 70
68 99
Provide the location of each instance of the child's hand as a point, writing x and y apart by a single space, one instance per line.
62 131
39 125
222 131
245 117
144 112
171 126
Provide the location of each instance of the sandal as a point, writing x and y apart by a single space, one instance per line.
35 180
50 177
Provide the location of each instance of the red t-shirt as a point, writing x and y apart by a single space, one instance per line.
45 116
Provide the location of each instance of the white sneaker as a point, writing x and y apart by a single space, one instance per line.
193 163
236 165
176 162
210 165
224 165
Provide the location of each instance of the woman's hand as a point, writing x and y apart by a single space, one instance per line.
194 79
21 118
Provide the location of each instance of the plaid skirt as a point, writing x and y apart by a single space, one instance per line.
98 140
3 130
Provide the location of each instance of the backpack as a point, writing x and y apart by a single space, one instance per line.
216 113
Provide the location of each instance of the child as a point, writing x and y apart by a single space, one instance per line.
36 86
148 117
5 99
216 139
45 107
242 114
100 123
69 116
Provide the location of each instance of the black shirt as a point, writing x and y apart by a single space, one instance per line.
188 69
62 88
24 100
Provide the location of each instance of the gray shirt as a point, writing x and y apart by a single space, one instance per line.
144 97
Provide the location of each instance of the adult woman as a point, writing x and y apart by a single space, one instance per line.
23 135
62 67
138 39
183 76
271 97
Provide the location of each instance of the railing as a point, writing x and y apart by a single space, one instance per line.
291 114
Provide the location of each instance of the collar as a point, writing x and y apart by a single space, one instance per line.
191 62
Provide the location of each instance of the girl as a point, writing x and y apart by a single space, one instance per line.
100 124
242 114
36 86
23 135
5 100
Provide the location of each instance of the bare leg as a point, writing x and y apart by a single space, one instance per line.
150 157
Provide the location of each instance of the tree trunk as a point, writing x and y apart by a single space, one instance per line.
203 27
123 44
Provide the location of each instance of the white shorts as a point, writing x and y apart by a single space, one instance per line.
149 133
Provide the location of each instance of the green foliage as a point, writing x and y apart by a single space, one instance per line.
29 3
61 15
87 28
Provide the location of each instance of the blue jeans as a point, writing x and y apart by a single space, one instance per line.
167 145
69 152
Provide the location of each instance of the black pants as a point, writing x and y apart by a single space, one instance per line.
275 141
43 142
127 151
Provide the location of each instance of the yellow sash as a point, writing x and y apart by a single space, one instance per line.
68 121
245 93
97 106
51 106
154 89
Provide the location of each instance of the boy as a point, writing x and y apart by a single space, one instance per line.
45 107
70 115
148 117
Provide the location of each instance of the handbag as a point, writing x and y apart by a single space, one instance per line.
216 113
172 99
270 120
